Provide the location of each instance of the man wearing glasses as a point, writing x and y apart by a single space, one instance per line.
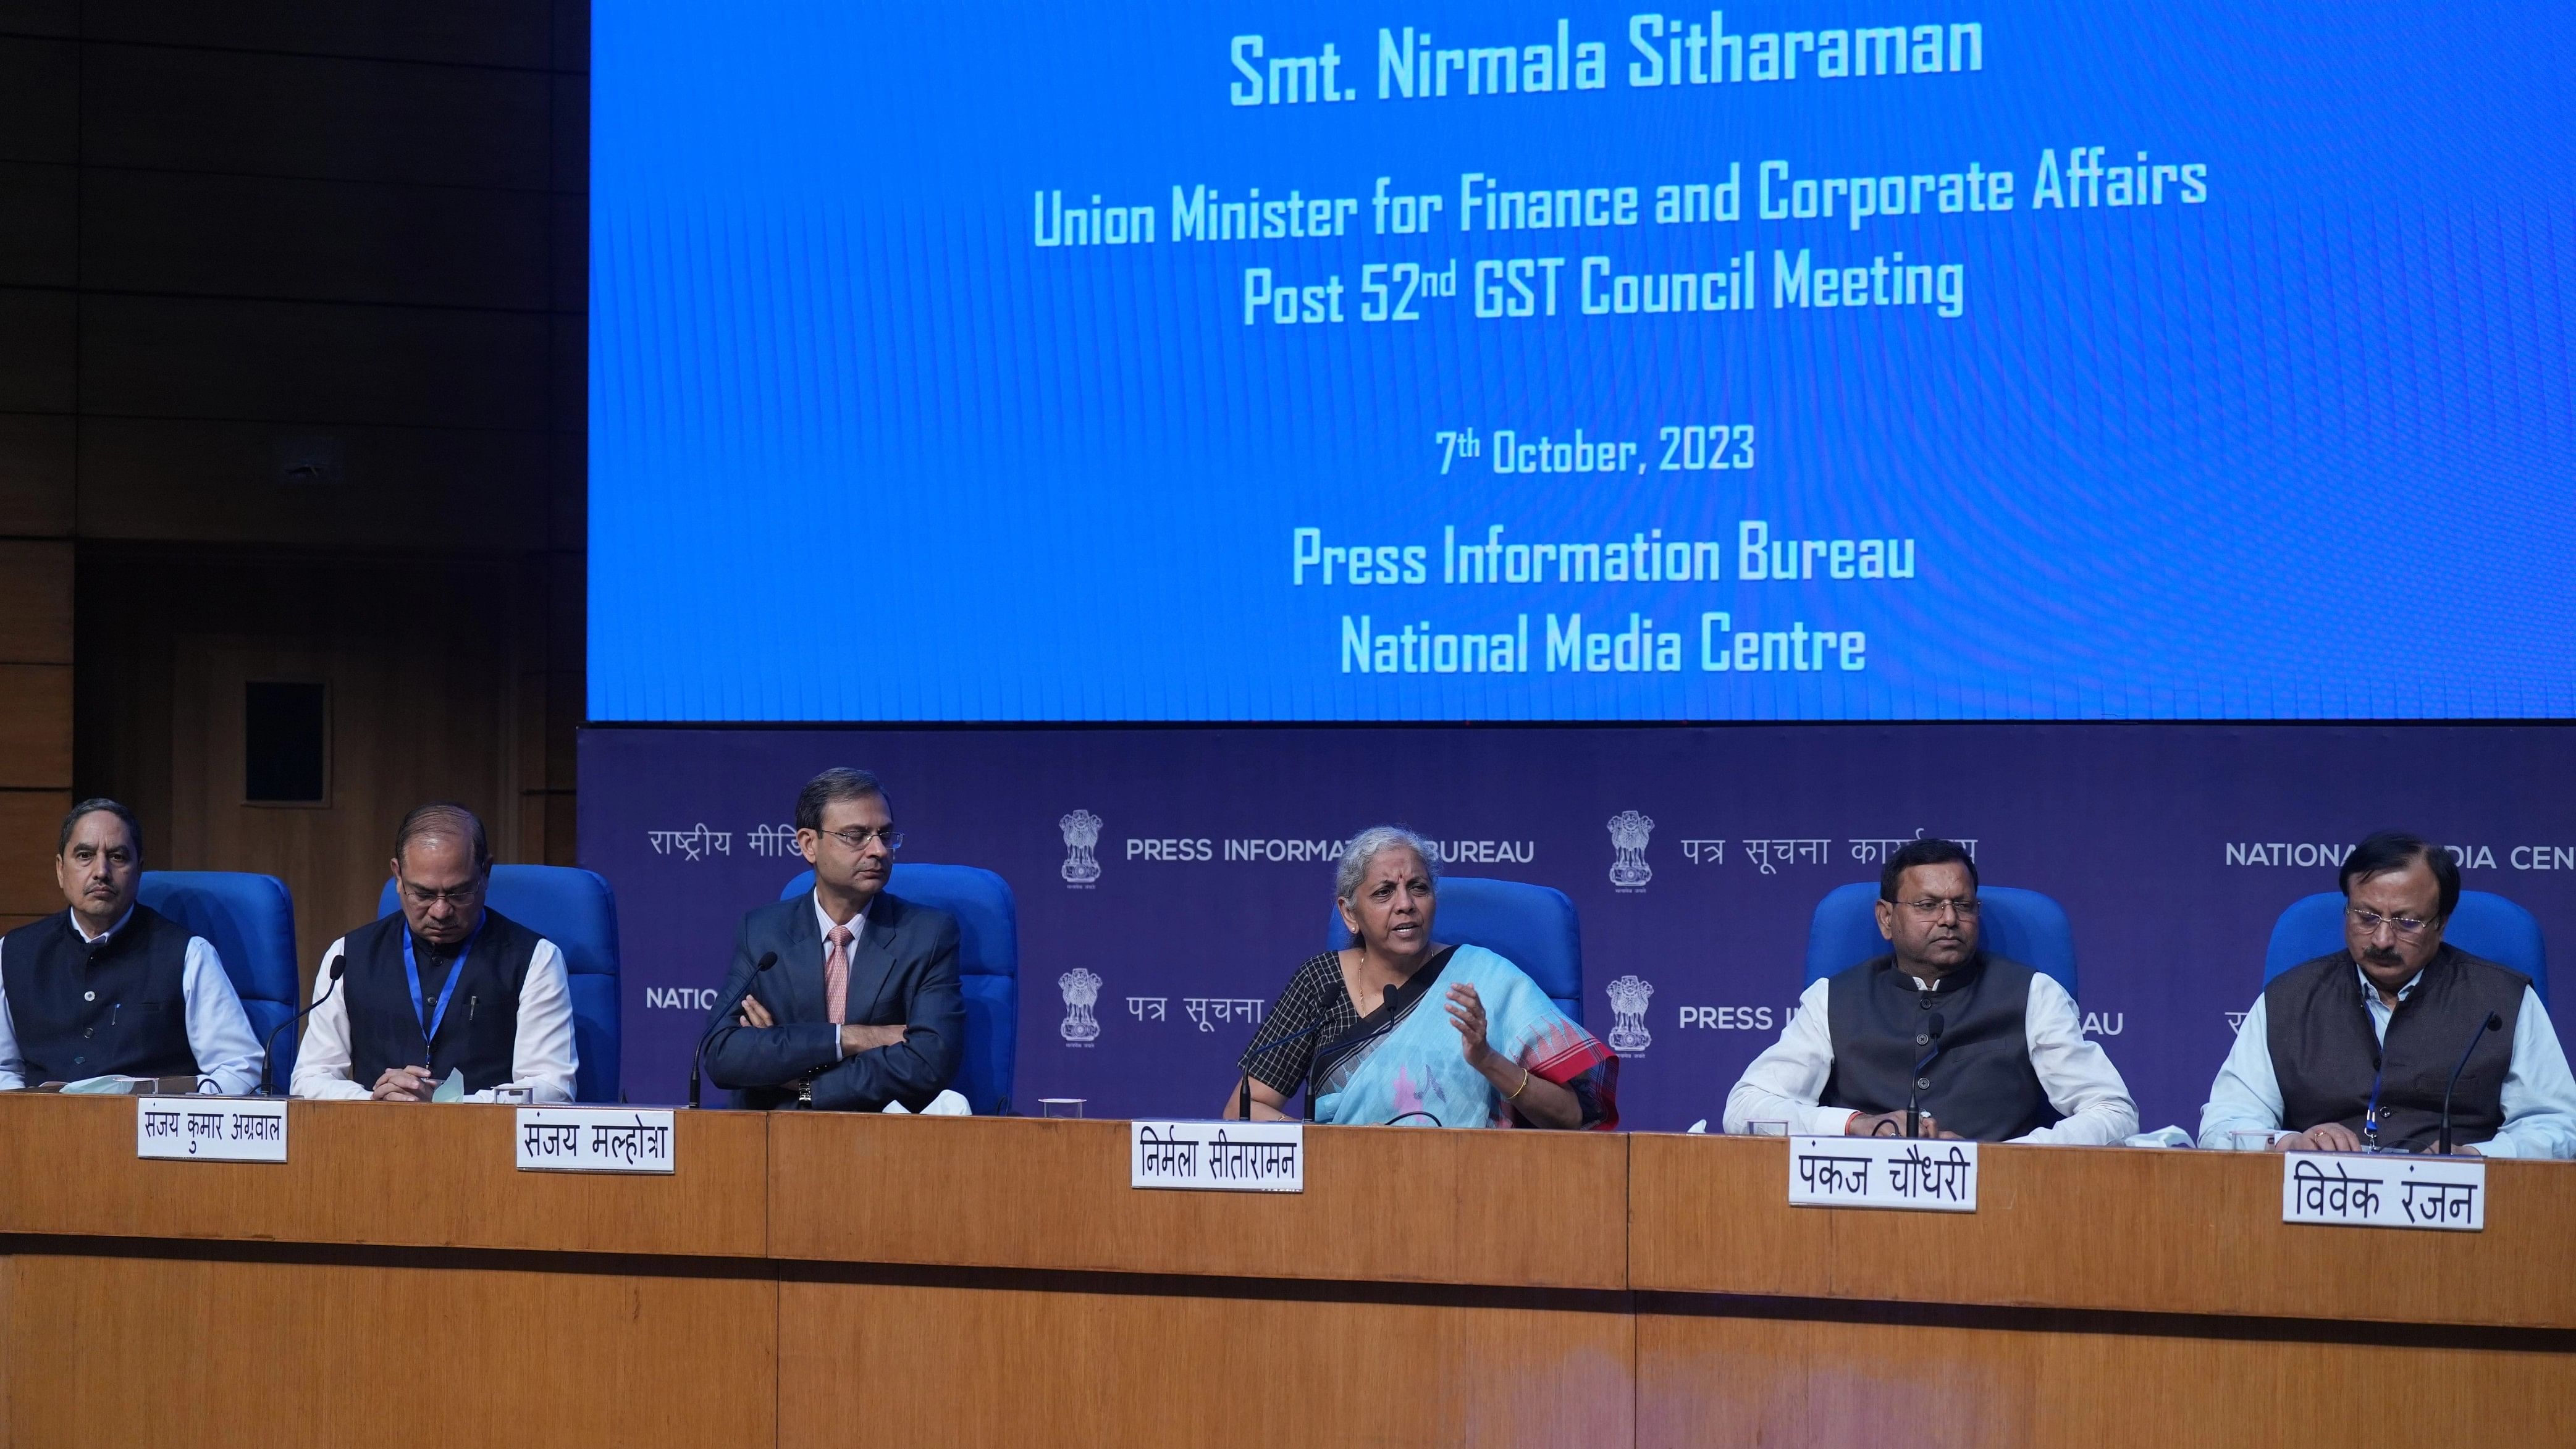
2352 1052
1980 1046
445 986
862 1007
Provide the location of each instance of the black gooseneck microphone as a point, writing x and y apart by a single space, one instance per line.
1913 1111
268 1056
1243 1089
2494 1022
698 1058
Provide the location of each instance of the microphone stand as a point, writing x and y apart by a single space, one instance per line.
2494 1022
698 1058
268 1054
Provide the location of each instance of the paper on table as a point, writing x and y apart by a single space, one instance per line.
451 1090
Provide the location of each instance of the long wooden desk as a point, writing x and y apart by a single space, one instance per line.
806 1279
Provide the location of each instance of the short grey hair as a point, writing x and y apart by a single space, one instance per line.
1368 845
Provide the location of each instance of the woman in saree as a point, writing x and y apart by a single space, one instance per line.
1397 1028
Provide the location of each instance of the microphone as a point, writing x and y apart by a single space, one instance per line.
268 1057
1913 1111
1243 1090
2494 1022
698 1058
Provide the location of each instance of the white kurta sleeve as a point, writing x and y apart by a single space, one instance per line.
1783 1083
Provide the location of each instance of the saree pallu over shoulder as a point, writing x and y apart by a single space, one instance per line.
1404 1063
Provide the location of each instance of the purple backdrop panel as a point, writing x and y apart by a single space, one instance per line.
2172 847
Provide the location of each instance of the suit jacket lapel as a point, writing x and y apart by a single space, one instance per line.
803 964
873 957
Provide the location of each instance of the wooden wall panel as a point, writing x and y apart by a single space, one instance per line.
1390 1204
512 33
258 114
29 820
299 1353
379 1173
479 490
35 602
37 360
1788 1383
39 100
297 361
38 246
35 726
982 1366
287 237
36 453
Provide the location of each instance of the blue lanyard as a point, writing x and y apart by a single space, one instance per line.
429 1023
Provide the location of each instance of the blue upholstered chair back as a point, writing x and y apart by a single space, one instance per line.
250 921
1532 926
2024 925
577 911
988 969
2485 924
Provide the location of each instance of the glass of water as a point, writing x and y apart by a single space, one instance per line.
1767 1129
2257 1139
1060 1106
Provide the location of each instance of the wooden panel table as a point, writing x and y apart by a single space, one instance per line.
809 1279
395 1278
1426 1288
2097 1296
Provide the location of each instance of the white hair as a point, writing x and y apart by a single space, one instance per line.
1368 845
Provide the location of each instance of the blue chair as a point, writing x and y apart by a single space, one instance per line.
1532 926
2484 924
988 969
2024 925
577 911
250 921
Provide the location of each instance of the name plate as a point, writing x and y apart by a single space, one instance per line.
2384 1190
1218 1156
210 1129
1923 1174
594 1139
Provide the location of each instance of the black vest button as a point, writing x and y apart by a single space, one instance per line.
89 996
1922 1039
76 1061
1923 1084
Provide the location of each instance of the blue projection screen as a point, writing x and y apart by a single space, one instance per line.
1902 359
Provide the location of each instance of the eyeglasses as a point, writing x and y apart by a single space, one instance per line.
462 895
857 840
2371 921
1929 909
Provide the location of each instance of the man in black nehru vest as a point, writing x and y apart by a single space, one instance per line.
112 987
2354 1050
2009 1061
444 987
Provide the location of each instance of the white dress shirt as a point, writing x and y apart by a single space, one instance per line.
2539 1094
541 1055
219 1036
1784 1082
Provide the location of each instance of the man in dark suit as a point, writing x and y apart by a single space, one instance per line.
863 1007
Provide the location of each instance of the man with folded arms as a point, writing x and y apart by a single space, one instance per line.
112 987
2352 1051
863 1009
445 985
2012 1064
